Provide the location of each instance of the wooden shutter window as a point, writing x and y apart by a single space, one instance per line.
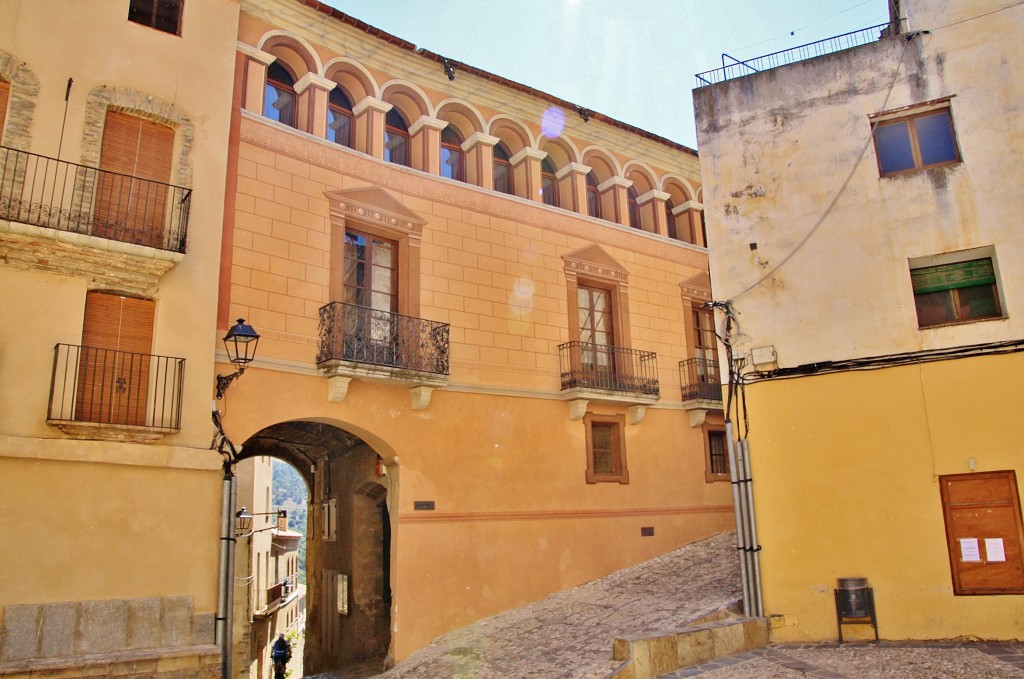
5 93
129 210
113 377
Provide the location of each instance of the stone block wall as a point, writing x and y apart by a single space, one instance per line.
152 636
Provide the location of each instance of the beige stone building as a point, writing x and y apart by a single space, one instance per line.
863 209
482 342
269 599
114 128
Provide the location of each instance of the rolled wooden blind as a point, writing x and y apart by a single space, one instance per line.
5 92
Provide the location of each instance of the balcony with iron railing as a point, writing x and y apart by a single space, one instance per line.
701 387
596 368
737 68
278 595
115 395
368 344
56 194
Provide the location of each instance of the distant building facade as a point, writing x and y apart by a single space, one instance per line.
862 213
114 130
269 599
482 337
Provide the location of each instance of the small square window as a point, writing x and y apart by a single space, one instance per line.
163 15
955 292
606 448
716 456
916 141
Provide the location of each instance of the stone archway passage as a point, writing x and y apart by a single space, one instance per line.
348 548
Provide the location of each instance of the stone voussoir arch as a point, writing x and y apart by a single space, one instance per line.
297 44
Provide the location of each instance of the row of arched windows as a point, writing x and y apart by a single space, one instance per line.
281 103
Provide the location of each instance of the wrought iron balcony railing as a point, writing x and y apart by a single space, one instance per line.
700 379
105 386
56 194
363 335
598 366
737 68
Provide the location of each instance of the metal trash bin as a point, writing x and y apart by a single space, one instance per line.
853 598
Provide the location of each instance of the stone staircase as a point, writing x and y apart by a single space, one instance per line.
717 635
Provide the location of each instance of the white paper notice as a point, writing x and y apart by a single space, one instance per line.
994 549
969 549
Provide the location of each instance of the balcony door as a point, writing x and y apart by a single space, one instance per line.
597 336
114 363
706 351
371 286
129 206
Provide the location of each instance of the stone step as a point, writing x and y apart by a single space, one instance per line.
655 653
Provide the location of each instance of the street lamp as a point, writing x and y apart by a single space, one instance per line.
240 343
243 521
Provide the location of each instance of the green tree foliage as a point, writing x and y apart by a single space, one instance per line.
290 493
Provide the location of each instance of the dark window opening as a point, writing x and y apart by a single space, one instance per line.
396 138
163 15
279 95
339 118
503 170
955 293
453 158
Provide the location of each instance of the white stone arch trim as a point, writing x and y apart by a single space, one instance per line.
358 70
519 125
643 168
143 105
21 104
310 51
674 178
424 100
604 154
561 140
462 106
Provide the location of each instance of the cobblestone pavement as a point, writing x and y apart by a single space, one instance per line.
568 635
886 660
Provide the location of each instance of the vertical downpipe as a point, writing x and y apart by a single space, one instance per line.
754 552
225 598
738 500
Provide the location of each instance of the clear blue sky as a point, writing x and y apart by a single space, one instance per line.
633 60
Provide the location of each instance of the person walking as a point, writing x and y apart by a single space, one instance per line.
281 653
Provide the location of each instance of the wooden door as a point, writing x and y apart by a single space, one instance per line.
115 360
983 532
128 208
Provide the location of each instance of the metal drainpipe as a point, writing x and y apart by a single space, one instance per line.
755 555
225 598
738 500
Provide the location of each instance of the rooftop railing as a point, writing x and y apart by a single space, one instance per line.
363 335
56 194
105 386
597 366
737 68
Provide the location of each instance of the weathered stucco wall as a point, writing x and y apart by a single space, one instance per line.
777 147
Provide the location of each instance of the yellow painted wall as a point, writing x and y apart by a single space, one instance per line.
845 471
103 520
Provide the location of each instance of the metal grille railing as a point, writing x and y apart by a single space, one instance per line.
700 379
56 194
599 366
105 386
363 335
740 67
